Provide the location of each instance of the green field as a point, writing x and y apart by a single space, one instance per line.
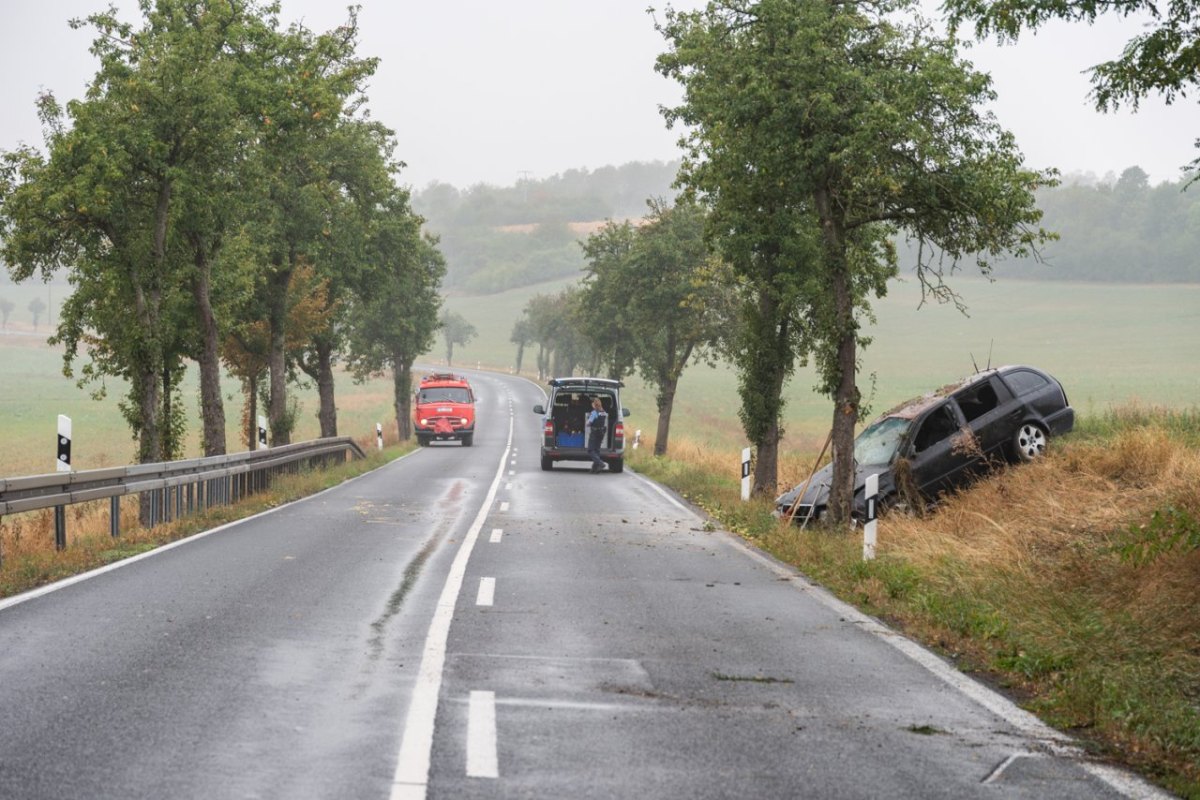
1109 344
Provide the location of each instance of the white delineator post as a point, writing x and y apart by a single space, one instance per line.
262 432
63 464
379 435
871 522
63 459
745 474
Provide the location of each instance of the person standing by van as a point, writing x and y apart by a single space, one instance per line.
597 424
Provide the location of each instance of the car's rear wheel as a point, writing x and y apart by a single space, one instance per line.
1029 442
617 466
547 463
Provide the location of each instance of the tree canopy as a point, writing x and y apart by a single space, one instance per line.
816 131
214 196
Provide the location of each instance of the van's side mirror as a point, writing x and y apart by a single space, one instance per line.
624 411
538 409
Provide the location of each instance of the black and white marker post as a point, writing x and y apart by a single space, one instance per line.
745 474
262 433
869 525
62 464
379 435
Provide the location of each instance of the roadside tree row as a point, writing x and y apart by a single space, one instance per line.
220 196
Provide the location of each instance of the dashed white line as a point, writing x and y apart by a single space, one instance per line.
411 778
487 592
482 761
496 534
504 506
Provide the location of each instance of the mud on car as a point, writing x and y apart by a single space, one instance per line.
444 409
941 441
564 436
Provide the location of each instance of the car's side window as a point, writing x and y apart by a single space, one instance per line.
1023 381
939 425
977 400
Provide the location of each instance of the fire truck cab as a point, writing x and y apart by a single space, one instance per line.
444 409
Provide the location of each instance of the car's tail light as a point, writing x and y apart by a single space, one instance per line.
548 429
619 432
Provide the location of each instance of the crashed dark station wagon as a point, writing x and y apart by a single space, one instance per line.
939 442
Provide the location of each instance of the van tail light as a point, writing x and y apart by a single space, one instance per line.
548 429
619 432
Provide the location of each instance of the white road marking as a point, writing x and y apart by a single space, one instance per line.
481 736
33 594
496 534
504 506
1125 784
508 486
573 705
411 778
664 493
512 472
998 772
487 592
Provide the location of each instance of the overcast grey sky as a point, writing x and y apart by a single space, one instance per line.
486 91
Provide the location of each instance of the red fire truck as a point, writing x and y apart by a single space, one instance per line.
444 409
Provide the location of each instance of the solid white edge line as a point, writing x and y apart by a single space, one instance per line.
672 500
41 591
1124 783
487 592
411 779
482 761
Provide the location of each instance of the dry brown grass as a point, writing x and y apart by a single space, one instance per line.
28 557
1027 578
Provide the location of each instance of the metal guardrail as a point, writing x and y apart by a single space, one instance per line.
174 488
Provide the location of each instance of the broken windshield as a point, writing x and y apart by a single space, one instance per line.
878 443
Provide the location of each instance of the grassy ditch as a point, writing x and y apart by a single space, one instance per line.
1070 583
28 558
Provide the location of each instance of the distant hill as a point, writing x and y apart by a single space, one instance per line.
1112 229
499 238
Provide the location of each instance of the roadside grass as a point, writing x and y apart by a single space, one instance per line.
28 558
33 392
1070 583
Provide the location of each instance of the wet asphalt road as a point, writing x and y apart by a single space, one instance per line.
461 624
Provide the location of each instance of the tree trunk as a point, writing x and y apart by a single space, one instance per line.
402 394
250 387
846 396
845 418
666 401
520 355
327 415
277 412
761 386
212 408
150 433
